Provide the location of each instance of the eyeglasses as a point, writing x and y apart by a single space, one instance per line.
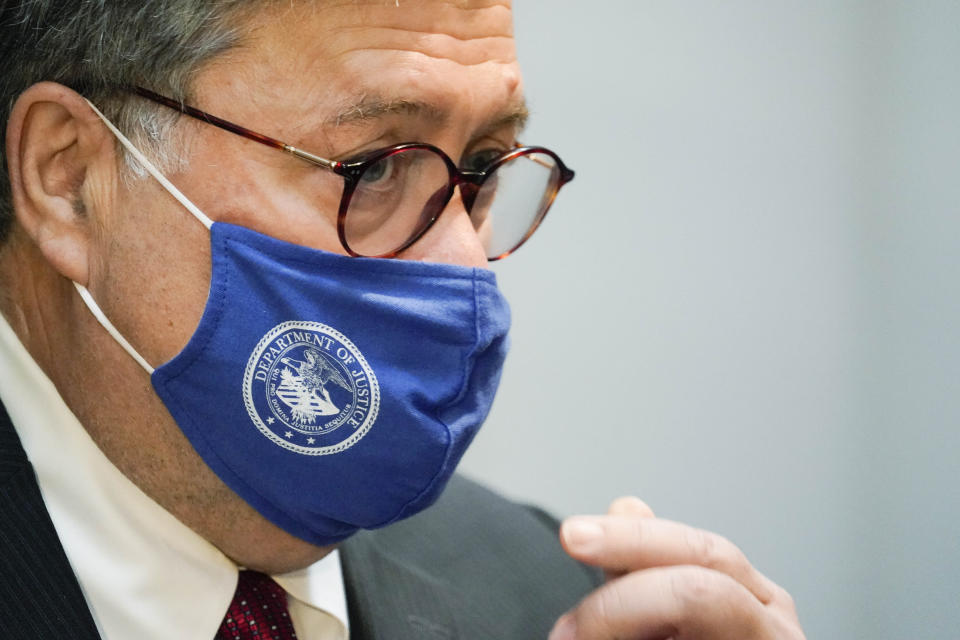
392 196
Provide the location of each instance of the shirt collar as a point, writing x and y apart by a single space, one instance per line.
144 573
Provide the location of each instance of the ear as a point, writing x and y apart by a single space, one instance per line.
57 148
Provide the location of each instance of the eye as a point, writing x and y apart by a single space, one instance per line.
379 174
480 160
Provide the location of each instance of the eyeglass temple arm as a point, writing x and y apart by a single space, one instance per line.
235 128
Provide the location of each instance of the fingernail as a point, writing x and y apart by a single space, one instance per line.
581 534
565 629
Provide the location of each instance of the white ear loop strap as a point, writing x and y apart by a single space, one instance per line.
106 324
152 170
182 199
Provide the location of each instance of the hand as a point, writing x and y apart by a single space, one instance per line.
666 580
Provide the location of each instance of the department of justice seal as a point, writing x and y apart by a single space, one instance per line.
309 389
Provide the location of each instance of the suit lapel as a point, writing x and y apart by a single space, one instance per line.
40 597
388 598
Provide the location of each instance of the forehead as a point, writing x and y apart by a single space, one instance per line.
307 62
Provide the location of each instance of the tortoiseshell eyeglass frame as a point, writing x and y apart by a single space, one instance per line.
351 171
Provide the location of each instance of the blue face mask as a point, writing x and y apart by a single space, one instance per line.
331 393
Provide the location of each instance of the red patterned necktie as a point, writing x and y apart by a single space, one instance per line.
258 611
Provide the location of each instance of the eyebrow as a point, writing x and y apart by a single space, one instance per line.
370 108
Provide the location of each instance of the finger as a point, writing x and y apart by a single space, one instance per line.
627 506
677 602
620 544
630 506
784 603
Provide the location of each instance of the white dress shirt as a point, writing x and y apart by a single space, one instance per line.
144 573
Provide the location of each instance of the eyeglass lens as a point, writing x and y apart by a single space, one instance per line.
399 196
513 200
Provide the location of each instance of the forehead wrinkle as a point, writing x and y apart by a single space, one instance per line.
473 52
468 35
461 34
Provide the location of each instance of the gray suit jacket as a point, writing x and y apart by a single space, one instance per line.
473 567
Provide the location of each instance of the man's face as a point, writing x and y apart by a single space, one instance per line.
335 79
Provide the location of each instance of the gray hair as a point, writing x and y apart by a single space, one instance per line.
100 48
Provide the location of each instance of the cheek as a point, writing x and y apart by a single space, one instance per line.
267 191
154 271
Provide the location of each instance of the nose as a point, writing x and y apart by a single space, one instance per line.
451 240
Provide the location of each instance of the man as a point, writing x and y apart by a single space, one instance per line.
216 264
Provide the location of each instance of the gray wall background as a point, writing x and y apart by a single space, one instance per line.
745 309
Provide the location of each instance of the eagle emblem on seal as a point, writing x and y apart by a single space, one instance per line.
303 386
